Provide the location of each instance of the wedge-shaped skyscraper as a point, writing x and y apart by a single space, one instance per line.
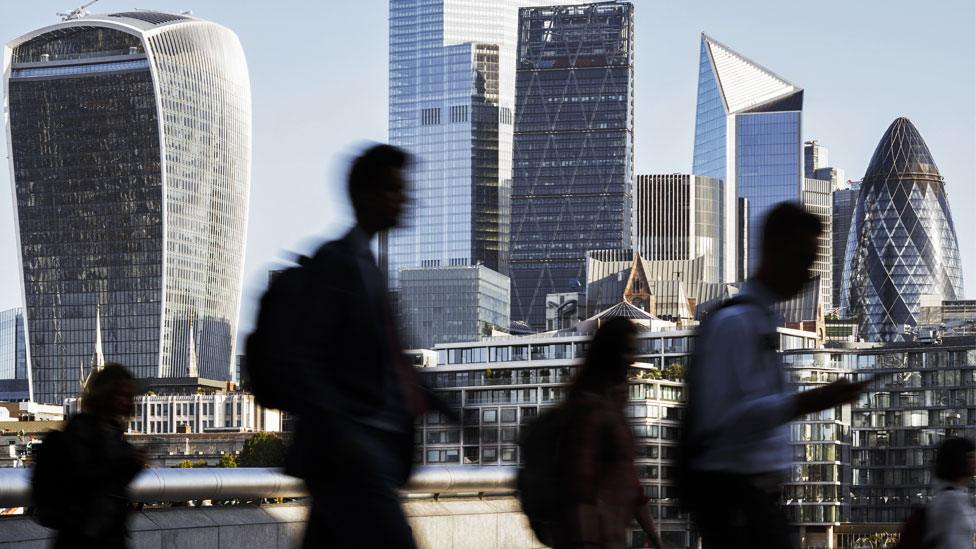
902 242
130 148
747 133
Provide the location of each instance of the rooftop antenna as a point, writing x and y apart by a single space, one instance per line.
76 13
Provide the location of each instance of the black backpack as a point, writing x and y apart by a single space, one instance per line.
51 481
269 348
540 478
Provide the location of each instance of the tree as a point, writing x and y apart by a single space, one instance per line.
228 460
262 450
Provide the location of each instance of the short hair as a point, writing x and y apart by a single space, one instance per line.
101 387
785 224
952 458
370 170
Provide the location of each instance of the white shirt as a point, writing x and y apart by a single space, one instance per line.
742 404
950 520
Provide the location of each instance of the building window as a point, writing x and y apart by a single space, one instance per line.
430 117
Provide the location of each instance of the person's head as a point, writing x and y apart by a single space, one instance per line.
377 187
789 248
610 356
955 460
110 393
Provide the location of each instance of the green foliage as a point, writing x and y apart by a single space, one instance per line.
674 372
228 460
653 373
262 450
187 464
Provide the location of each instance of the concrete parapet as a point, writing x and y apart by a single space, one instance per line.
438 523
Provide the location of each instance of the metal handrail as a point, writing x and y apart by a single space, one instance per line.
165 485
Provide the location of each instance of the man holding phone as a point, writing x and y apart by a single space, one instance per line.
736 450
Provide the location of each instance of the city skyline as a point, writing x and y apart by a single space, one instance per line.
665 82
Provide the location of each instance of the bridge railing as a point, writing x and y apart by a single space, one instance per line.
166 485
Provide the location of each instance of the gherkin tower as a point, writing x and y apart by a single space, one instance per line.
902 243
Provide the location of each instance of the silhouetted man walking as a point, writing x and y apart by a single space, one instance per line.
736 453
354 441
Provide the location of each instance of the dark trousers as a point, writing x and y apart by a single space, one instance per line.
733 511
356 498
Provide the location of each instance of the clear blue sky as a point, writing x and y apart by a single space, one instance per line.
319 76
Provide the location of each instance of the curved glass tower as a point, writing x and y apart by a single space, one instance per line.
902 243
130 148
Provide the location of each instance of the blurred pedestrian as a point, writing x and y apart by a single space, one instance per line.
736 443
950 520
88 467
355 393
603 492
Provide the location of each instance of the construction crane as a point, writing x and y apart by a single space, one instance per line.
76 13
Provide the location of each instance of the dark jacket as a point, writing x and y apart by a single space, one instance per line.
347 364
102 466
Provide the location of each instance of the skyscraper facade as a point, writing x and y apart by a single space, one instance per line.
451 304
844 200
573 148
747 133
902 243
13 354
814 157
130 148
817 200
451 104
679 216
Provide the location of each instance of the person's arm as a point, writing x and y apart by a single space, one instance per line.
643 516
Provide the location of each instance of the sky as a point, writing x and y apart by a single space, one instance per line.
319 87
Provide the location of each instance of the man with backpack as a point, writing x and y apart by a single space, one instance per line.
736 446
326 348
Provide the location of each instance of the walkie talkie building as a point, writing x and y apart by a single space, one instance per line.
902 243
130 148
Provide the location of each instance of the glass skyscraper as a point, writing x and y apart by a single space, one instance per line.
14 382
747 133
844 200
452 101
130 140
573 147
902 243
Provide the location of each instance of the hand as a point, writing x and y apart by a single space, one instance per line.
839 392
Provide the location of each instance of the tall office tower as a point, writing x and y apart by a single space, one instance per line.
14 381
679 216
902 243
814 157
817 200
574 140
747 133
844 200
452 100
130 141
